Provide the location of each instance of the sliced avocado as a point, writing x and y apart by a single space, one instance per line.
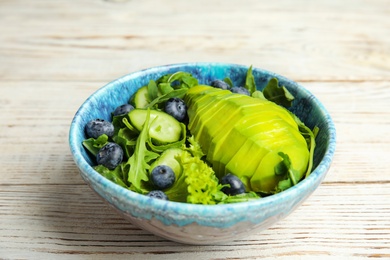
211 121
251 153
243 135
264 178
203 103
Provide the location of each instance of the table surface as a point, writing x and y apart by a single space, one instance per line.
54 54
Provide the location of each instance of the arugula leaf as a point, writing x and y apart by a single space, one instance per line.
258 94
152 90
278 95
310 137
174 93
292 173
165 88
185 79
94 145
224 199
127 140
178 80
250 81
115 175
138 163
169 86
229 82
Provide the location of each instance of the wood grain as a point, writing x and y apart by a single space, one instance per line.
71 219
322 41
54 54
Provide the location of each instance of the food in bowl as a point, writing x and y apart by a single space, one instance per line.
209 143
197 223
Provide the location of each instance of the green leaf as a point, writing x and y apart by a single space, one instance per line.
229 82
114 175
174 93
189 81
278 95
224 199
177 80
152 90
292 175
250 81
258 94
183 77
126 123
94 145
165 88
310 137
138 163
127 140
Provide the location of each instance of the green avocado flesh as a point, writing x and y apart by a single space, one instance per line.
243 135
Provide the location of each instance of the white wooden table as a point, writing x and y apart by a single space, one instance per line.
54 54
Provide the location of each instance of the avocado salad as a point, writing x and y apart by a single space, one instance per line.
211 143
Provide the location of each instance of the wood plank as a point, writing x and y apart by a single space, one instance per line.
54 220
322 41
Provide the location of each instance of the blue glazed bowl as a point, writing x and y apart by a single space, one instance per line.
201 224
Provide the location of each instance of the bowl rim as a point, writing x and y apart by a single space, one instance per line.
182 208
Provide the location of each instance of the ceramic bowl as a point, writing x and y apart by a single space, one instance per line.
201 224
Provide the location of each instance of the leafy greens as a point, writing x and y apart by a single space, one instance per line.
196 182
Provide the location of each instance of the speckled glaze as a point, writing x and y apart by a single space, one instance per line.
200 224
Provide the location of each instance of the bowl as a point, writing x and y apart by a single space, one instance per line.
201 224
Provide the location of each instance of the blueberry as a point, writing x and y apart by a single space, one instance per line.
162 177
157 194
122 110
110 155
236 185
97 127
220 84
240 90
176 108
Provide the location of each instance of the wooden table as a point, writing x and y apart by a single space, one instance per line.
54 54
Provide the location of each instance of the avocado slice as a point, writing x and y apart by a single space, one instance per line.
243 135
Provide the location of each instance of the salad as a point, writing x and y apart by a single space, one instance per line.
218 143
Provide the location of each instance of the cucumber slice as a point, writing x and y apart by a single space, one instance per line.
141 98
163 128
168 157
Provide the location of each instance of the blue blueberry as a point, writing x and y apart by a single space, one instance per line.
219 84
176 108
162 177
240 90
97 127
110 155
157 194
236 185
122 110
